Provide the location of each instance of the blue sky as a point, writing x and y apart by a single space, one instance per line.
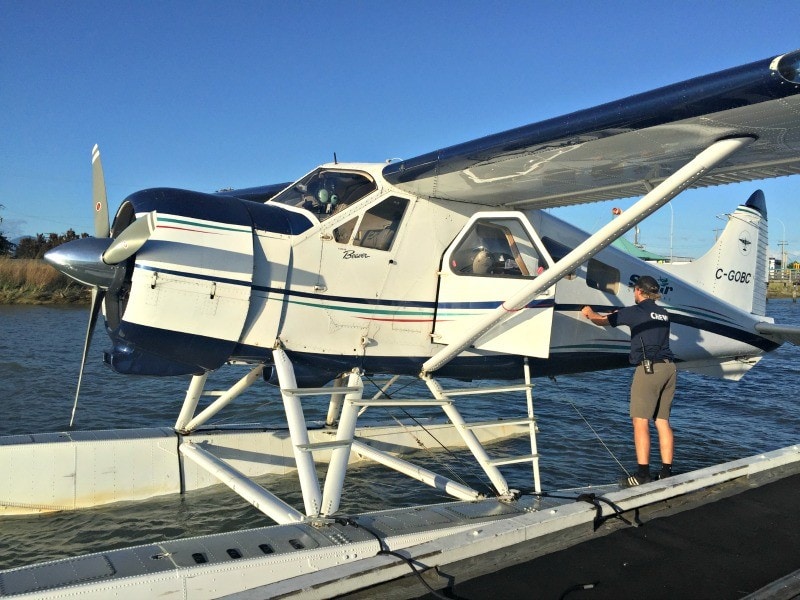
207 95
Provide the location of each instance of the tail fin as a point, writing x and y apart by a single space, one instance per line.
735 269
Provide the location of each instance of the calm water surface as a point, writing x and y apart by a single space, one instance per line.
583 422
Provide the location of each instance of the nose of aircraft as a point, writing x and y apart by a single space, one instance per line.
82 260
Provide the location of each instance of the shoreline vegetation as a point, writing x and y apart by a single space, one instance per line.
33 281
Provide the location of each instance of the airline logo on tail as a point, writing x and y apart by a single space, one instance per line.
745 243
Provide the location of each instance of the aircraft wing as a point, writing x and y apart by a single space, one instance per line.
780 333
624 148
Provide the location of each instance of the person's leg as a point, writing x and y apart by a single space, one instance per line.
642 405
666 441
641 440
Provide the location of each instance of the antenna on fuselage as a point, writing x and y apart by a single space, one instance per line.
336 162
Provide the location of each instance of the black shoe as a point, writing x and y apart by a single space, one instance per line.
662 475
634 480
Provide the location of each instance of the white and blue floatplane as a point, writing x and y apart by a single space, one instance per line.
441 267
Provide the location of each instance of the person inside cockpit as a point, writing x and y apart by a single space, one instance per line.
320 196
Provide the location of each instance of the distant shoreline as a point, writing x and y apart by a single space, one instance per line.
32 281
782 289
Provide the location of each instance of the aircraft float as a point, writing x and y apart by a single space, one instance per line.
446 266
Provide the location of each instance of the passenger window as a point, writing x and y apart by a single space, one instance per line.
325 192
380 223
343 232
599 275
558 251
497 247
603 277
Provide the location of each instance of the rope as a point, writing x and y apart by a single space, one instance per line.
383 549
467 465
597 435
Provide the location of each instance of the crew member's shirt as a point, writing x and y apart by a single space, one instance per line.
649 324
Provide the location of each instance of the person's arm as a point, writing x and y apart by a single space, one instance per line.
594 317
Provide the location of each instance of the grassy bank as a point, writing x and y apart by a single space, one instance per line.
782 289
28 281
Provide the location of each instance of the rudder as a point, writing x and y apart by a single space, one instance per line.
735 268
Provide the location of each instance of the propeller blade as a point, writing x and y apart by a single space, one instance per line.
101 226
132 238
97 302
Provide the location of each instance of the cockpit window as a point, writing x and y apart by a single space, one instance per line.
497 247
326 192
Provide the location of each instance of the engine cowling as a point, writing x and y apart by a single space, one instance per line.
180 303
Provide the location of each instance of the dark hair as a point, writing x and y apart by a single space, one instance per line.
648 285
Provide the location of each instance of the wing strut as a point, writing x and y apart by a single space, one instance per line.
652 201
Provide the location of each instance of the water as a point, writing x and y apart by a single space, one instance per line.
583 422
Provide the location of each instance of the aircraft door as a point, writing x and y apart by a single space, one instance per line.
356 258
495 256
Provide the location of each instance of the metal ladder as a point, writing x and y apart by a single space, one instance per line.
488 464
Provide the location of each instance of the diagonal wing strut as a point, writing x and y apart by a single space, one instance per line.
652 201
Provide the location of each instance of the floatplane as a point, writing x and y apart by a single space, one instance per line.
446 267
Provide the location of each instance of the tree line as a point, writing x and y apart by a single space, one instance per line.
5 245
35 246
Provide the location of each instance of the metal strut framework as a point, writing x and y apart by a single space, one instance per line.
352 405
346 403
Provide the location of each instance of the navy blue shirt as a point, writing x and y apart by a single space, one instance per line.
649 325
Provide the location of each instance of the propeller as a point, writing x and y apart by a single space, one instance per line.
101 225
101 230
94 261
97 301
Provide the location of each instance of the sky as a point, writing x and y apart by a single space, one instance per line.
209 95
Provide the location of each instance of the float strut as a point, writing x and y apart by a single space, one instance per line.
306 471
334 478
193 393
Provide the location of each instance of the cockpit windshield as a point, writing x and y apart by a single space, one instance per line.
326 192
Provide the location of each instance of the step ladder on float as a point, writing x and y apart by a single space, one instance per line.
346 405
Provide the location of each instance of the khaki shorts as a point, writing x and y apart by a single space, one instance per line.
651 395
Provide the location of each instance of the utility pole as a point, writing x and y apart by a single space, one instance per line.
784 266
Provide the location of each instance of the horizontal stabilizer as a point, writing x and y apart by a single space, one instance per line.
780 333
